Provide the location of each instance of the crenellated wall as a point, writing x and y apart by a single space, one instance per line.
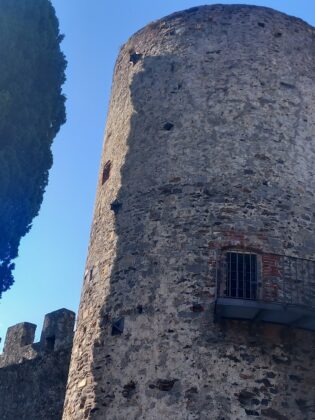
33 376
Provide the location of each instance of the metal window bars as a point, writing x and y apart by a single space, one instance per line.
242 275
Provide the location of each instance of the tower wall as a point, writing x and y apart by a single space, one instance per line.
209 146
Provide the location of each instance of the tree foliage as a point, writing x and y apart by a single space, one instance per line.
32 109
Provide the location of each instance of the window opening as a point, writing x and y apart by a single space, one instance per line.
118 326
106 171
241 275
50 343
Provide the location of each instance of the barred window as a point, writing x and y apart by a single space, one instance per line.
241 275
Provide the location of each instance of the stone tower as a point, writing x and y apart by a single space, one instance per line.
198 298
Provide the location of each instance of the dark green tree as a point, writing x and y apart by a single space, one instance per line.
32 109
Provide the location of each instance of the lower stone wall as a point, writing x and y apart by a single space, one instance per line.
35 389
261 370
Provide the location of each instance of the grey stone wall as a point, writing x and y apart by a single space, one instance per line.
33 376
209 145
35 389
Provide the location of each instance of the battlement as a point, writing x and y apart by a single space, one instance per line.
57 334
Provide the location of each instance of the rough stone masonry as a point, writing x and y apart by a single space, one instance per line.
209 148
33 376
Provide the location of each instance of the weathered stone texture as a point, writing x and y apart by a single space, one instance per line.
33 376
209 145
35 389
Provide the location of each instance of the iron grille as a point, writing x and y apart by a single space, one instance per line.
266 277
241 275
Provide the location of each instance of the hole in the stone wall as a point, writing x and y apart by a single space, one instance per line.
278 34
94 410
50 343
248 172
140 309
252 412
129 389
168 126
196 307
214 52
287 85
118 326
177 88
165 384
134 57
261 24
106 171
115 206
82 403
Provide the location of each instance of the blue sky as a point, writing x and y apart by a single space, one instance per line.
51 260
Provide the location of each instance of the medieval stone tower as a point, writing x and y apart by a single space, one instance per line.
199 291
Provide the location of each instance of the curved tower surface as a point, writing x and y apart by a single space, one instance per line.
198 298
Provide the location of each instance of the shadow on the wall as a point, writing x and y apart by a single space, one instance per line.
153 226
159 308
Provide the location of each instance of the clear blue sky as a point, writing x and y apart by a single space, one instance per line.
50 267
